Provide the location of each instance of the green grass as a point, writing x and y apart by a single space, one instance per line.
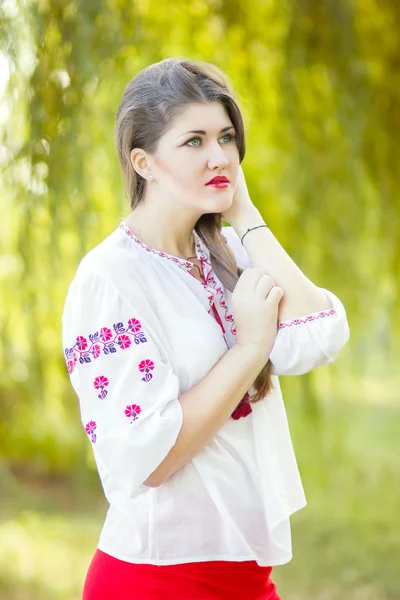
346 542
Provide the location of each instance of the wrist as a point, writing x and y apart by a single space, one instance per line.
250 218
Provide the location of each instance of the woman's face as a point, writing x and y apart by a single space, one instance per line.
185 161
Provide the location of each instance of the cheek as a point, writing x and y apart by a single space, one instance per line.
175 172
164 168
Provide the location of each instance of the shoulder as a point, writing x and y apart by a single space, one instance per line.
112 267
111 256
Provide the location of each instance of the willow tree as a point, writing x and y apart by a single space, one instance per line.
322 150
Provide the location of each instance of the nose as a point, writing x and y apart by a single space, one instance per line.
217 158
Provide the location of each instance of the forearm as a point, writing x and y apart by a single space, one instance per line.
301 296
208 404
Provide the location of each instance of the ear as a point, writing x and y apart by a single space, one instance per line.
140 162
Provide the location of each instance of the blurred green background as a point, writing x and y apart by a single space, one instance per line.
319 86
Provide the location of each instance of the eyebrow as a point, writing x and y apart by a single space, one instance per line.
204 132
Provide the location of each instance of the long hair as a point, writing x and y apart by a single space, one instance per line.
150 103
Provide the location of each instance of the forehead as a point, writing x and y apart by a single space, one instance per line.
211 117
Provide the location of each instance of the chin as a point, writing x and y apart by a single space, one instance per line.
219 205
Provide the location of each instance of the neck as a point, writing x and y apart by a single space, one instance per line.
173 237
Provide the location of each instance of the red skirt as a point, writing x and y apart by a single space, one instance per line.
109 578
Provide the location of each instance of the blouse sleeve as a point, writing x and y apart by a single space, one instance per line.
128 394
310 341
307 342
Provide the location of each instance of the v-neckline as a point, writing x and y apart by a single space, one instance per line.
202 254
198 267
209 282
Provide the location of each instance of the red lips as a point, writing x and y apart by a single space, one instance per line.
218 179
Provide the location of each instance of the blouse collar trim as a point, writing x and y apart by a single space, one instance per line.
202 252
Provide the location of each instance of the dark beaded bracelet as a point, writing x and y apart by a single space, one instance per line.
251 229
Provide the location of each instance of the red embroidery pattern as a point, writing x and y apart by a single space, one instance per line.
222 303
104 340
180 261
145 366
243 408
308 318
210 293
133 410
209 279
184 264
90 430
100 383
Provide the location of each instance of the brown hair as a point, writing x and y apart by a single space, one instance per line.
150 102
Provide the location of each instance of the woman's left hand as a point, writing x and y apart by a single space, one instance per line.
241 201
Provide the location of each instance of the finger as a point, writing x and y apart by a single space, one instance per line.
264 286
274 296
251 276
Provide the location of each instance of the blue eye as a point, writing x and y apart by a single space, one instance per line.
230 137
192 140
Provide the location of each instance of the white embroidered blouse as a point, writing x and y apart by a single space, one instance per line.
138 330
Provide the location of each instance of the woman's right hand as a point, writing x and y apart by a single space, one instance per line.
255 302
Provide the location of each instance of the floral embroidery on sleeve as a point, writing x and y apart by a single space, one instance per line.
133 411
321 315
100 383
84 350
145 366
90 430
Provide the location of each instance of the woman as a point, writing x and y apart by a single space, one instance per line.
175 330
